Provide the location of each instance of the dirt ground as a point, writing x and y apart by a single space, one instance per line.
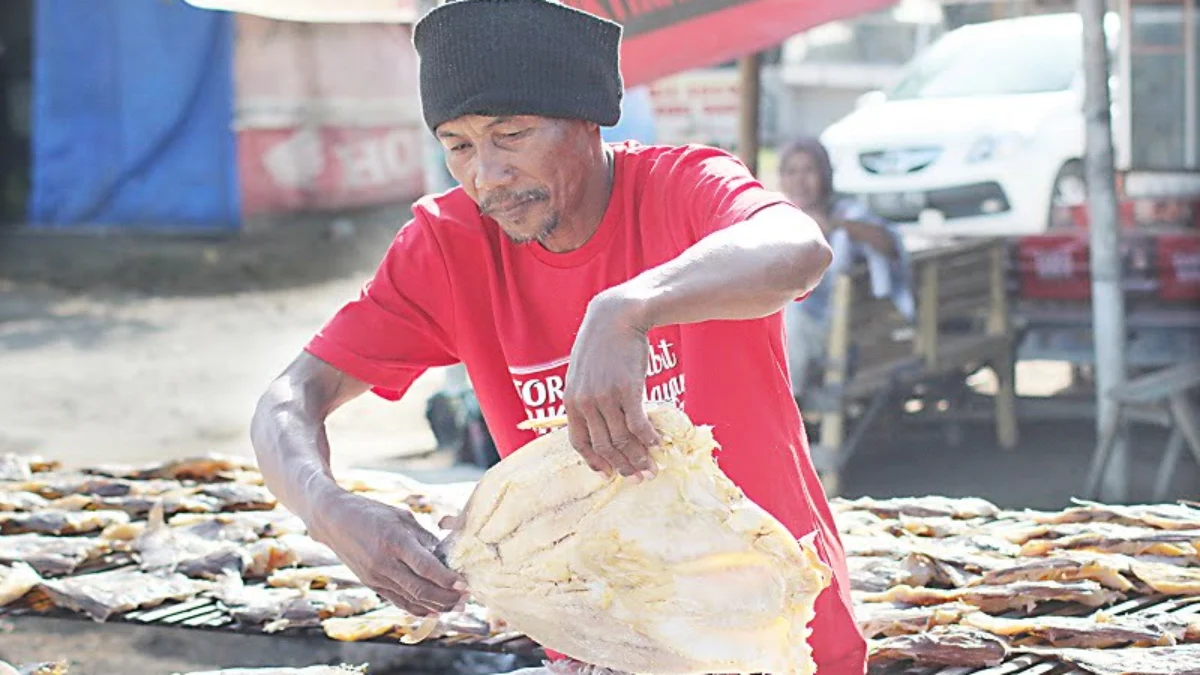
120 349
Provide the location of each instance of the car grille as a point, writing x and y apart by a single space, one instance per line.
962 201
898 162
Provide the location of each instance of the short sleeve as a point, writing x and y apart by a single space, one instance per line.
715 189
402 323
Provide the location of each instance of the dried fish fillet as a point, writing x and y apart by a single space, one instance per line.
246 526
393 622
56 521
943 645
921 507
880 574
103 594
862 523
877 546
58 484
1120 539
1159 516
183 500
16 581
936 527
289 550
21 467
1175 660
46 668
51 556
1099 632
1023 595
167 549
1167 579
1107 570
17 500
876 619
314 577
239 497
278 608
201 468
711 583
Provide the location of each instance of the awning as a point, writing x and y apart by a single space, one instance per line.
664 37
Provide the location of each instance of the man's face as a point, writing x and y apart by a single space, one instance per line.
524 172
800 178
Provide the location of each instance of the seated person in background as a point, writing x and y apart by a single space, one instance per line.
855 234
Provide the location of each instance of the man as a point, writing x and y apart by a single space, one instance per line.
654 272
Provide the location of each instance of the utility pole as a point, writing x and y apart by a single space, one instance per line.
1108 300
750 71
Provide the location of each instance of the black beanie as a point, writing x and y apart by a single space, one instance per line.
518 57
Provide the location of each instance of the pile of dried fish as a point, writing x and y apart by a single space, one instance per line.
107 540
960 582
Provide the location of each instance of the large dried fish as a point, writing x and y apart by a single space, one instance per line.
1024 595
16 581
1175 660
1105 569
55 521
1109 538
52 556
1159 516
921 507
314 577
281 670
103 594
943 645
878 619
18 500
1096 632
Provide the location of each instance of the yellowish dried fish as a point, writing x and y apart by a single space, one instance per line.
1096 632
14 467
942 645
314 577
17 500
56 521
16 581
167 549
244 526
1022 595
1134 541
45 668
393 622
52 556
880 574
1167 579
1159 516
878 619
58 484
239 497
1108 570
201 468
103 594
1174 660
289 550
963 508
275 609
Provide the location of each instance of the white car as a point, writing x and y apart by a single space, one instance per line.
981 135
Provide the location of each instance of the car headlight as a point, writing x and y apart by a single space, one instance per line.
996 146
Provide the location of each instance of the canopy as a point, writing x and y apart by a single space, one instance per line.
662 37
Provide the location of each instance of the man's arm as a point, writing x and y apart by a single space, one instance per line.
748 270
384 546
875 236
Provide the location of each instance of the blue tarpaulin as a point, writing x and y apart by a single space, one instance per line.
132 111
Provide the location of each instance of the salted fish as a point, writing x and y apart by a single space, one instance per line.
1167 579
281 670
880 574
19 500
942 645
314 577
1158 516
878 619
393 622
275 609
1101 631
1023 595
289 550
51 556
963 508
45 668
17 467
861 523
245 526
56 521
138 506
1174 660
16 581
58 484
239 496
1108 570
877 546
166 549
1121 539
103 594
201 468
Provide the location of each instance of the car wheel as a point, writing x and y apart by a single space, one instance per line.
1070 189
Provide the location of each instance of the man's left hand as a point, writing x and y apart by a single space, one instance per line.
605 391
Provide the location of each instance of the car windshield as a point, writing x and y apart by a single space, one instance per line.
993 63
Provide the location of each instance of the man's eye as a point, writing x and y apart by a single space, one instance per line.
516 134
459 147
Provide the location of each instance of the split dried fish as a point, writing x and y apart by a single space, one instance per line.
1121 539
1107 570
52 556
16 581
877 619
880 574
166 549
1023 595
275 609
1159 516
921 507
21 467
246 526
942 645
393 622
314 577
1099 632
58 484
289 550
239 497
55 521
103 594
17 500
47 668
201 468
1175 660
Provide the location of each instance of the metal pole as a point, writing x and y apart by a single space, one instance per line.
750 105
1108 301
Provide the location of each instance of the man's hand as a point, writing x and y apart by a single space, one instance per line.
605 390
389 552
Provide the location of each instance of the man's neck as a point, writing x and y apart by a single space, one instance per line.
581 223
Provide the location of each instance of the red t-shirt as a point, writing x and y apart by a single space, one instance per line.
452 288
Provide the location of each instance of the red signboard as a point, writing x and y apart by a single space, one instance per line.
1178 263
663 37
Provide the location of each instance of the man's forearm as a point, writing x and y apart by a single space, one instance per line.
746 271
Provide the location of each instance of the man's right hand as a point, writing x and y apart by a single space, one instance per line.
390 552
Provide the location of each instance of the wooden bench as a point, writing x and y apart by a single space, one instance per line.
874 353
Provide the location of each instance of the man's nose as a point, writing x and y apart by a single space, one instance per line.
492 171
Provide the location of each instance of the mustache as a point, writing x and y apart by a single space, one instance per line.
506 200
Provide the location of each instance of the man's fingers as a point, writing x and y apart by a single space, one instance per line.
427 566
643 432
388 591
602 443
577 432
